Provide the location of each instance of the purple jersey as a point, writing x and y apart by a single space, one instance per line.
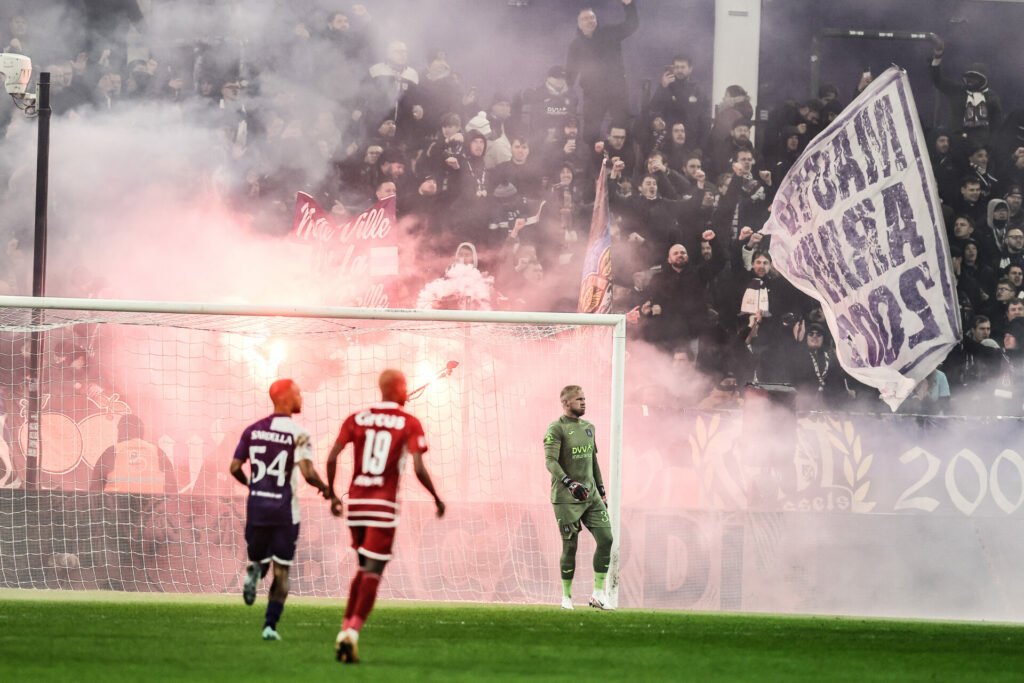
273 446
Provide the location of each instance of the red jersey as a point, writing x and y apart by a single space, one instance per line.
383 435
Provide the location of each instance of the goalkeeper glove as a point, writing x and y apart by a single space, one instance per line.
578 490
600 490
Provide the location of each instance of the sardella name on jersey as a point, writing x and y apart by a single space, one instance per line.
276 437
383 420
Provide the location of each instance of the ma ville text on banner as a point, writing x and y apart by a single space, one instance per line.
364 250
856 224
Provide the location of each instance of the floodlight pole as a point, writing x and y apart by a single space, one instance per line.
38 282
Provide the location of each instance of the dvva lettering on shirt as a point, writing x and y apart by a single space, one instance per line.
582 451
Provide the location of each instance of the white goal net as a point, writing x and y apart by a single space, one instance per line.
196 377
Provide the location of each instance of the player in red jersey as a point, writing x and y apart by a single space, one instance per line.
382 435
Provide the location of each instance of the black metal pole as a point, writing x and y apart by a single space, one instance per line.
38 281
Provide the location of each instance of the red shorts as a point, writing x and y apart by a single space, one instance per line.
373 542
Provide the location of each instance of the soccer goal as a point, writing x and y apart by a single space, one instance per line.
190 377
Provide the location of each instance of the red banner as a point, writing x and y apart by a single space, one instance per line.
364 250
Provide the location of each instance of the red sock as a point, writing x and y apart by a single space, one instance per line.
364 601
353 593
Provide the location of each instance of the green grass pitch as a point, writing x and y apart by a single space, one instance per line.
48 636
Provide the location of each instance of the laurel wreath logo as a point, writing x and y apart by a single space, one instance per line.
855 463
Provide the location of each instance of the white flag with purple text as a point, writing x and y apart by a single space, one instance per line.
856 224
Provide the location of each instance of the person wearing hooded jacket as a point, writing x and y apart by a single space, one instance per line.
975 110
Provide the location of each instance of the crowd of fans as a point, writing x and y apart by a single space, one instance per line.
505 187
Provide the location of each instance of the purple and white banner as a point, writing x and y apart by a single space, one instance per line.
856 224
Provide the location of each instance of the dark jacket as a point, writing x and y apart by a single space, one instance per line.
597 60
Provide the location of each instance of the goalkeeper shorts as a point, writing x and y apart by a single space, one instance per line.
572 516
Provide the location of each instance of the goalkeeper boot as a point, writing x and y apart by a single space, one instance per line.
270 634
252 577
346 646
600 600
567 602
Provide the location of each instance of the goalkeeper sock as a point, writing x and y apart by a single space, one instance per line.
353 594
364 602
599 581
274 609
566 588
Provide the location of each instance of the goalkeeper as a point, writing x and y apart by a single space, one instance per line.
577 492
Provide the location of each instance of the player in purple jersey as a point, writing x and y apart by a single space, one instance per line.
274 446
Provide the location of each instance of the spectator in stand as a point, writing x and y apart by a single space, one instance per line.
671 184
507 207
547 107
1013 249
944 166
345 40
445 150
975 278
427 206
1015 217
388 90
1016 275
778 297
997 219
969 202
653 136
814 369
107 94
747 199
595 58
66 93
679 99
677 307
735 106
978 167
783 159
971 364
964 229
724 396
439 91
470 199
499 146
361 171
520 170
393 170
618 146
677 149
1014 310
1009 386
654 219
995 309
726 150
564 148
563 222
975 111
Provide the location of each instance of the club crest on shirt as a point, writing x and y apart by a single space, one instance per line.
590 433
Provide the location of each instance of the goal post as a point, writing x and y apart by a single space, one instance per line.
194 374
